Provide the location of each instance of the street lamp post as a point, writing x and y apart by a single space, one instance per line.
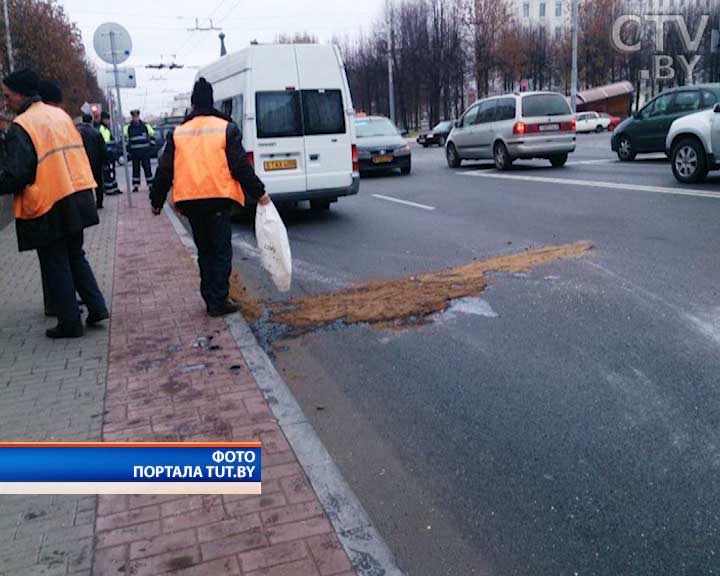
391 78
574 73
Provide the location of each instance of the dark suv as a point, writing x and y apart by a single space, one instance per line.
645 131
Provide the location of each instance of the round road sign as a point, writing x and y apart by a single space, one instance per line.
112 43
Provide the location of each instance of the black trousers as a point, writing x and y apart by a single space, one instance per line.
212 231
109 181
67 271
99 196
143 161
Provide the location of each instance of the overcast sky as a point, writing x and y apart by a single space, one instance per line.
159 32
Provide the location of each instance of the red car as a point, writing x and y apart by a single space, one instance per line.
614 121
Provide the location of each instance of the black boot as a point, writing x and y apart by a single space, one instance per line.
94 318
60 332
225 309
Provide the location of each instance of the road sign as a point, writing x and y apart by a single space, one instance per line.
112 43
126 78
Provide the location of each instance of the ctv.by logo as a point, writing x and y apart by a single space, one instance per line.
663 68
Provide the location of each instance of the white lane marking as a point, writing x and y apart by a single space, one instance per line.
604 161
597 184
391 199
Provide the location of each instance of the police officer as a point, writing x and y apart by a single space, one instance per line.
96 151
140 137
110 183
48 172
209 172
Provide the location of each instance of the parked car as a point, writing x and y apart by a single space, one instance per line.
381 147
647 130
693 145
438 135
614 121
521 125
293 105
591 122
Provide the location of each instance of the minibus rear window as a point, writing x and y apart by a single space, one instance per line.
278 114
323 112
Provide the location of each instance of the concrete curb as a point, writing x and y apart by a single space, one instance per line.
368 553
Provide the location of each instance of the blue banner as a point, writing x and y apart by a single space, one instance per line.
158 463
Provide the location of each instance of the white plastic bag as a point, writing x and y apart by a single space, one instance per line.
272 241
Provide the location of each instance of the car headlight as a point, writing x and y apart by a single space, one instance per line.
404 150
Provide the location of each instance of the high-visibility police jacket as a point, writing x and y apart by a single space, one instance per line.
48 172
139 136
201 166
105 133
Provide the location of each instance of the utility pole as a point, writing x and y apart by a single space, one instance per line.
11 61
391 78
574 73
120 114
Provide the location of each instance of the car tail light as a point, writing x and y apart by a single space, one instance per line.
355 159
568 126
251 158
519 128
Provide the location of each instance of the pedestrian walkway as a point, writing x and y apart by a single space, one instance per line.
51 391
163 372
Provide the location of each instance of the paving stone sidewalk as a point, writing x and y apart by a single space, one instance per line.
175 374
162 371
49 390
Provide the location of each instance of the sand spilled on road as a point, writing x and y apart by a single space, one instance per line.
415 297
251 308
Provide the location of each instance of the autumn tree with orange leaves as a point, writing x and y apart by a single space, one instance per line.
46 41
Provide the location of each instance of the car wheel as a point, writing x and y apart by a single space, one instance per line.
558 161
689 161
503 161
599 128
452 156
625 151
405 171
441 142
425 145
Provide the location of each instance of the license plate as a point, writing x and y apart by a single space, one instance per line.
549 127
271 165
383 159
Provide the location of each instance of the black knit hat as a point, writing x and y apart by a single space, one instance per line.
104 115
202 95
50 92
24 82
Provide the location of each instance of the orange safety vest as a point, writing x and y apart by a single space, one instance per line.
201 167
63 167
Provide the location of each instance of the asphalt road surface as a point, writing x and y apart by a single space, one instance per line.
565 423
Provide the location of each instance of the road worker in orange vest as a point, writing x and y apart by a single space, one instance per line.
208 169
46 169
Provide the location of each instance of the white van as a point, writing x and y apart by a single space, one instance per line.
293 105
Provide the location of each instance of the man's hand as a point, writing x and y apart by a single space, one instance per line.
156 211
264 200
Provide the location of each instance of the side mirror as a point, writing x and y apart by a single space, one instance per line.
637 115
716 108
403 133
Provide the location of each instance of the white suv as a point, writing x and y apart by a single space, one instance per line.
693 145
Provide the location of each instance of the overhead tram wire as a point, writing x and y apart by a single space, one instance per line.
192 38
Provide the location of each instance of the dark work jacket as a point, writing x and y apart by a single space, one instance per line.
237 159
95 149
18 168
